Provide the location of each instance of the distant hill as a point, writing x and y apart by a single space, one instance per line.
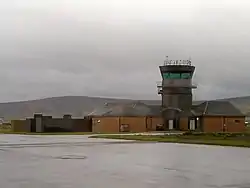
77 106
80 106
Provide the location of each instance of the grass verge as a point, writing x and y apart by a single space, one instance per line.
222 140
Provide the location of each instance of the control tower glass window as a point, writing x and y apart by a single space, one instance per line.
177 75
186 76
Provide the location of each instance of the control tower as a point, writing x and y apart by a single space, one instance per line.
176 91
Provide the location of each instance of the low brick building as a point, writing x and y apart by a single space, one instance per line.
40 123
116 124
128 117
219 116
212 116
21 125
209 116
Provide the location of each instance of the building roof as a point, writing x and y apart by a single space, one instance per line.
155 110
127 109
207 108
217 108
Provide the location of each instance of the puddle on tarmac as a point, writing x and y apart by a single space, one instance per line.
70 157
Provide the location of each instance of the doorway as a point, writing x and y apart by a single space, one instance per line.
192 124
173 124
33 125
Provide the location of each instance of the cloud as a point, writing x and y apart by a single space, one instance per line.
52 48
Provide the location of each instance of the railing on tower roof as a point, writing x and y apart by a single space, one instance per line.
177 62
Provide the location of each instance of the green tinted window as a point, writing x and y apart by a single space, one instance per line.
185 75
171 75
175 75
165 75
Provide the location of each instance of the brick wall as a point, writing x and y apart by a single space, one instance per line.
21 125
155 122
82 125
184 124
215 124
66 124
135 124
105 124
143 124
235 124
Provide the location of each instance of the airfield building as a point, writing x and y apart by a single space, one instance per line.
177 111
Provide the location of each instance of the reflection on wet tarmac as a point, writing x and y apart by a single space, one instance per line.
78 161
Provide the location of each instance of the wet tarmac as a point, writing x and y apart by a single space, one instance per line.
78 161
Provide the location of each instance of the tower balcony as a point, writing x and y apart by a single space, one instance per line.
175 84
159 87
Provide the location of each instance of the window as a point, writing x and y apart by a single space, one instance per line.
185 75
165 75
124 128
237 121
172 75
175 75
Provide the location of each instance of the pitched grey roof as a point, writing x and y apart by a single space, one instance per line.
155 110
127 109
210 108
195 103
217 108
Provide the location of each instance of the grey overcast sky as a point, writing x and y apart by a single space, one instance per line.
113 48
